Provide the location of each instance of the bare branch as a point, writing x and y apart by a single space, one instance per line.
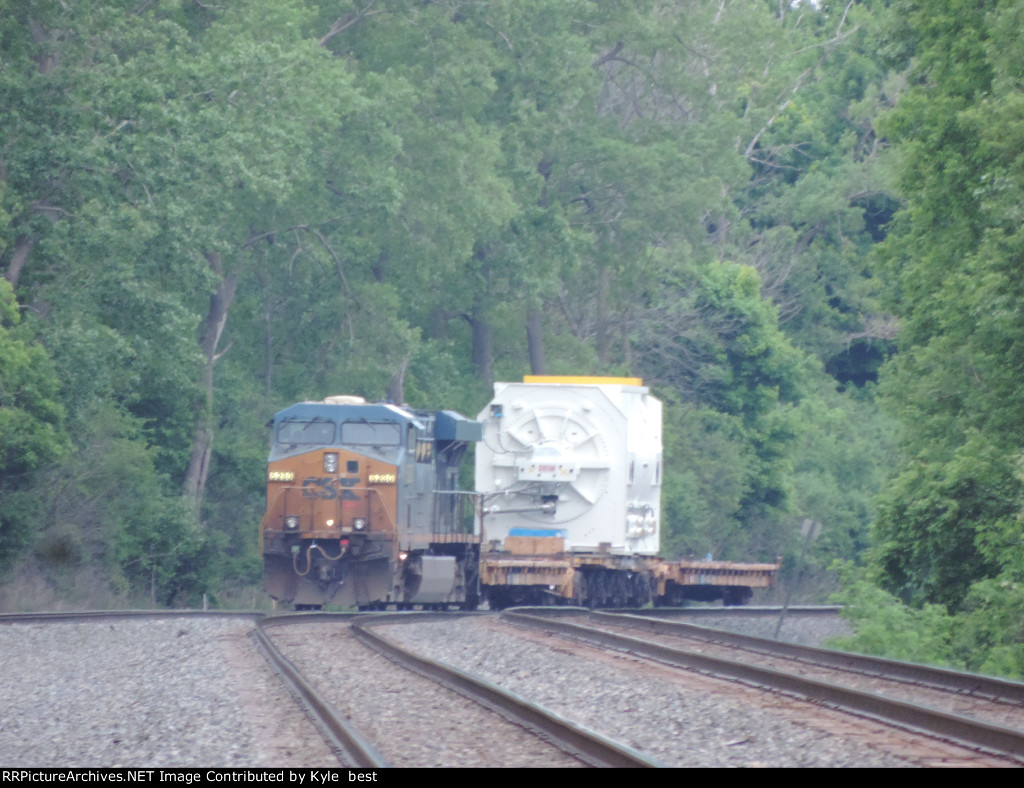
41 206
351 18
608 56
270 233
779 111
217 356
337 260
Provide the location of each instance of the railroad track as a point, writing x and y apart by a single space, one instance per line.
586 745
352 748
547 739
153 689
331 681
974 711
574 742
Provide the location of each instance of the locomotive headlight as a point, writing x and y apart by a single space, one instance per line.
359 524
331 462
291 523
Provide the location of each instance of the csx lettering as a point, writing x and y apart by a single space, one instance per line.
328 488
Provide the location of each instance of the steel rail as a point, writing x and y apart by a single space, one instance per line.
358 752
989 687
580 742
89 615
737 610
342 737
952 727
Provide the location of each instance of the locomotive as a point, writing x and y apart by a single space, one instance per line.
364 509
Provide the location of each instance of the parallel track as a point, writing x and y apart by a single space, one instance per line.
998 689
352 748
952 727
348 744
582 743
355 749
589 747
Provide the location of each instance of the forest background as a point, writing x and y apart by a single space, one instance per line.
799 223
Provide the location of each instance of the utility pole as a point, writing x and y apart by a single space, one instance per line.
810 531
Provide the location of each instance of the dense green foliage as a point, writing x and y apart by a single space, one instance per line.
31 433
950 525
210 211
953 266
886 627
984 637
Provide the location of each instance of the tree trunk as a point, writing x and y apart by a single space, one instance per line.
268 355
22 248
46 61
483 350
627 346
212 328
535 341
603 340
396 388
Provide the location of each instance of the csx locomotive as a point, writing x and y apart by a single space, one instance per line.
363 507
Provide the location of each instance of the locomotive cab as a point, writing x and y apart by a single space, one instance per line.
363 507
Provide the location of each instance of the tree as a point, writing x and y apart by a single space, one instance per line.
212 211
719 346
31 424
953 259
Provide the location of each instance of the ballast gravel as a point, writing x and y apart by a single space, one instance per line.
148 692
680 723
800 628
184 692
411 720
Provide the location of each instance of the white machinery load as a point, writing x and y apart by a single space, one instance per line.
572 457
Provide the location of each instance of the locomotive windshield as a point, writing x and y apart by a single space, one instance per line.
316 431
371 433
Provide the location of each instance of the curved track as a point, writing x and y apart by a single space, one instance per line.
826 677
353 747
356 749
147 689
586 745
782 666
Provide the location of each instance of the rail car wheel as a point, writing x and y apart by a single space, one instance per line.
736 596
471 602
